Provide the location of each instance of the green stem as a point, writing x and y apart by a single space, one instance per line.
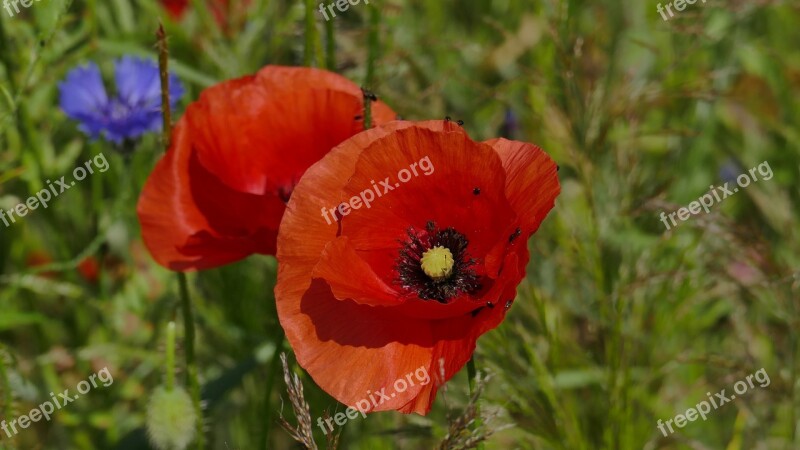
274 369
472 374
368 97
794 360
373 45
207 20
92 8
6 389
311 35
330 46
191 367
372 55
19 110
473 378
170 356
186 304
6 58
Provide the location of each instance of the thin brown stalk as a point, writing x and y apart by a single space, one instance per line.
470 429
163 61
303 432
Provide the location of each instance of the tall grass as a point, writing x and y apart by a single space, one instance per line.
619 322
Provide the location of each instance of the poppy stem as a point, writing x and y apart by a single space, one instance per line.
313 46
191 367
368 97
163 61
372 56
373 45
170 356
330 46
473 378
272 372
186 304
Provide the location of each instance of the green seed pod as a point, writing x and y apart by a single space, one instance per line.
170 419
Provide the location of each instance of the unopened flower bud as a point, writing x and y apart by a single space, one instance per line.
170 419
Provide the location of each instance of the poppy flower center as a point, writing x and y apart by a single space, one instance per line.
437 263
434 264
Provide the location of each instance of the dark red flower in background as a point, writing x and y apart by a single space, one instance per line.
88 268
38 258
411 275
176 8
219 8
219 193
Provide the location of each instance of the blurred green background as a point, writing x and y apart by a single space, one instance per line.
619 323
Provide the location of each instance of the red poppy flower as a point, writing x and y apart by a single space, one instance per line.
220 8
421 255
38 258
175 8
89 269
218 194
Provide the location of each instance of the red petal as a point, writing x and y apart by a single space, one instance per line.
366 289
531 181
190 221
259 134
485 219
332 337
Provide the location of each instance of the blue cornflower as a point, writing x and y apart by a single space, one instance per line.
136 108
730 170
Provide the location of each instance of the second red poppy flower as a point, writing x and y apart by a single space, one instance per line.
219 193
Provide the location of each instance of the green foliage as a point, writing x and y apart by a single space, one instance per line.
619 323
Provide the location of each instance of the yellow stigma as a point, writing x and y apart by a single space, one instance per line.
437 263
